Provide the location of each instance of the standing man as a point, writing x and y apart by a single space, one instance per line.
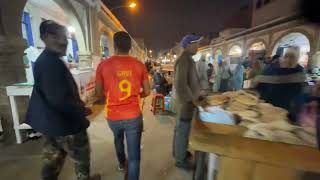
55 108
202 72
160 82
187 86
120 79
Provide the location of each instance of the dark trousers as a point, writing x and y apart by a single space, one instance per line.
132 129
224 85
55 151
181 139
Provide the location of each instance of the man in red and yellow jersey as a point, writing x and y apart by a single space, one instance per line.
123 80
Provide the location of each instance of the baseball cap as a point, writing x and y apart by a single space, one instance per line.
190 38
50 27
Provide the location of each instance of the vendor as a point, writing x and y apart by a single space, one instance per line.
187 91
282 83
160 82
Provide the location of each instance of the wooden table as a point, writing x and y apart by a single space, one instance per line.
243 158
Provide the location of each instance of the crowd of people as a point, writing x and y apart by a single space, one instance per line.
56 110
281 81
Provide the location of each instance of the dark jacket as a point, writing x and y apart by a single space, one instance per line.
55 107
186 84
158 79
283 87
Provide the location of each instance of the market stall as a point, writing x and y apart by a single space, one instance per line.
254 141
168 71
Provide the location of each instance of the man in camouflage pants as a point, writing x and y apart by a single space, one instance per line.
56 149
56 110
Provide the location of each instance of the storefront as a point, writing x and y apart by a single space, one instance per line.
104 44
257 49
35 12
234 55
297 40
207 54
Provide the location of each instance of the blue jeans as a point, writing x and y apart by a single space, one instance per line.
181 139
132 129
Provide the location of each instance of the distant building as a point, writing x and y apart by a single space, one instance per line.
275 26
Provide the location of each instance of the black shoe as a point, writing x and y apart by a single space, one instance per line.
95 177
189 155
186 165
121 166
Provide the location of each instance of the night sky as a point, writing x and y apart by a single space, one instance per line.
163 22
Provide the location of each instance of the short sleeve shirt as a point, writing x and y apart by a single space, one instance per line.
122 78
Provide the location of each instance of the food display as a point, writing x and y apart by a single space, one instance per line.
262 120
217 100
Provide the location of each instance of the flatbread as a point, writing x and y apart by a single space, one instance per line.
275 125
245 123
307 138
311 130
274 110
247 99
287 137
217 100
231 94
248 114
264 106
238 105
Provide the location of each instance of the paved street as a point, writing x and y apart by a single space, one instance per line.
22 162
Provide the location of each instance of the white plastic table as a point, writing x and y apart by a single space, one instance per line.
12 92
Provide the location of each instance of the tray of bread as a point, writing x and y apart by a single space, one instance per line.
262 120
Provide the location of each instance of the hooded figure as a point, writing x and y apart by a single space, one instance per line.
202 71
237 80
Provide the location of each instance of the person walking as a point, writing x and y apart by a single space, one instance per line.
210 74
283 83
56 110
202 71
160 82
226 77
238 77
218 76
187 92
120 79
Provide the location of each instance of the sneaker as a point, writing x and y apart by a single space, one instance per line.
121 166
186 165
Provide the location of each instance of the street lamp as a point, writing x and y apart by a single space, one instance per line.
132 5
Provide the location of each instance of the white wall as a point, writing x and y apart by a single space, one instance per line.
37 12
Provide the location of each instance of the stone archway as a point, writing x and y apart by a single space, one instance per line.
301 40
313 43
109 35
235 50
257 41
12 46
47 10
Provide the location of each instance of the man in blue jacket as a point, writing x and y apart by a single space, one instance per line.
56 109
